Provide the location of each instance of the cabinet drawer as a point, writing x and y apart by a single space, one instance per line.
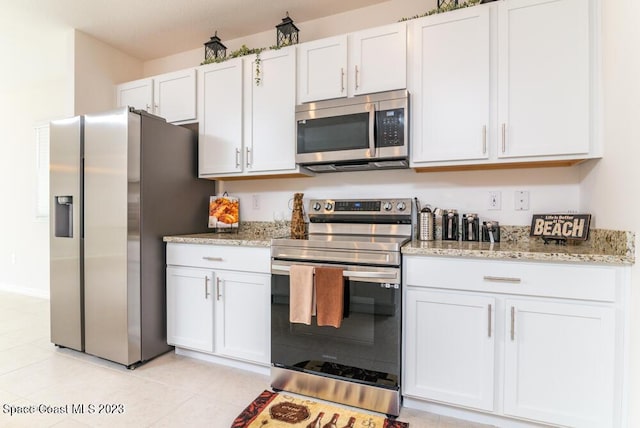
560 280
245 259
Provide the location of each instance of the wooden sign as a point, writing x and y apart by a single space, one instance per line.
561 226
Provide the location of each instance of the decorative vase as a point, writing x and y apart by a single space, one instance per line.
298 229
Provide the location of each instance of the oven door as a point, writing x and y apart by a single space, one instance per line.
366 347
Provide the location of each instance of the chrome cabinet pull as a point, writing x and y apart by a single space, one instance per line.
148 108
248 156
357 72
213 259
513 323
217 288
504 137
237 157
206 287
157 108
341 80
502 279
484 140
489 319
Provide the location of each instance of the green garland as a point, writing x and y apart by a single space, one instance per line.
243 51
447 8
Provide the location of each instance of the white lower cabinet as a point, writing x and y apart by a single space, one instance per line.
217 302
242 315
559 362
516 341
190 308
449 353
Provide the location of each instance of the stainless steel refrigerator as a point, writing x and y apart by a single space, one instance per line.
119 181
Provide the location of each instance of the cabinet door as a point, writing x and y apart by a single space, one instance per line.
243 316
378 59
175 95
559 363
270 120
220 117
190 305
544 77
449 348
137 94
452 86
322 68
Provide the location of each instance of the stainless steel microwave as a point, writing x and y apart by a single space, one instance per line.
353 134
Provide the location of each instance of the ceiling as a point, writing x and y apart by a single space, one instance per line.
149 29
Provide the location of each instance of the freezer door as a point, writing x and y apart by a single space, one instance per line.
112 242
65 233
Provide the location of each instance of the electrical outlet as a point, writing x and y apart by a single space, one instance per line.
495 200
255 202
521 199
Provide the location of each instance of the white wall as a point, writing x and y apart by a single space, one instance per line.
611 188
36 86
97 68
551 189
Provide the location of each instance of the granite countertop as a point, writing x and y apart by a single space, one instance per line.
603 246
250 234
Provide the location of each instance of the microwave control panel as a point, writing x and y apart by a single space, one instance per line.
390 128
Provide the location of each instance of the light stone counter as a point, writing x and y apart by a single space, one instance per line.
603 247
251 234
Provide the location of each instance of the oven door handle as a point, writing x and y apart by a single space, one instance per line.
346 273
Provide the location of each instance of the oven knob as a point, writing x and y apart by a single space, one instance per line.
401 206
387 206
317 206
328 206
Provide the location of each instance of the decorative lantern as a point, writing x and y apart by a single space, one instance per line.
287 32
214 49
447 3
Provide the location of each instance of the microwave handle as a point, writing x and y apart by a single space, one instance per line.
372 126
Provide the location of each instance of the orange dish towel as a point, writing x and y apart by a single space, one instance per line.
301 294
329 296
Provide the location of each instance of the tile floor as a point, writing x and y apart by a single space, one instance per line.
169 391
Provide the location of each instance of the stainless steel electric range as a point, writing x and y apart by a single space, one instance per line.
357 364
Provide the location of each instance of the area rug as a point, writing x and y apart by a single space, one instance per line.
271 410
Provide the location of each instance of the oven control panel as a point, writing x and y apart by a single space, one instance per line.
338 207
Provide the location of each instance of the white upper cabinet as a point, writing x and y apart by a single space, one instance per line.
220 117
544 77
270 112
451 77
322 69
137 94
171 95
175 95
368 61
378 59
506 82
247 116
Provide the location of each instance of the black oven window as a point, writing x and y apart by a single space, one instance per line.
348 132
366 347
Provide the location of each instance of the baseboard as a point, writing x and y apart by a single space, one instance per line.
25 291
243 365
467 414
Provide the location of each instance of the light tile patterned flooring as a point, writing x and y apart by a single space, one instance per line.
169 391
